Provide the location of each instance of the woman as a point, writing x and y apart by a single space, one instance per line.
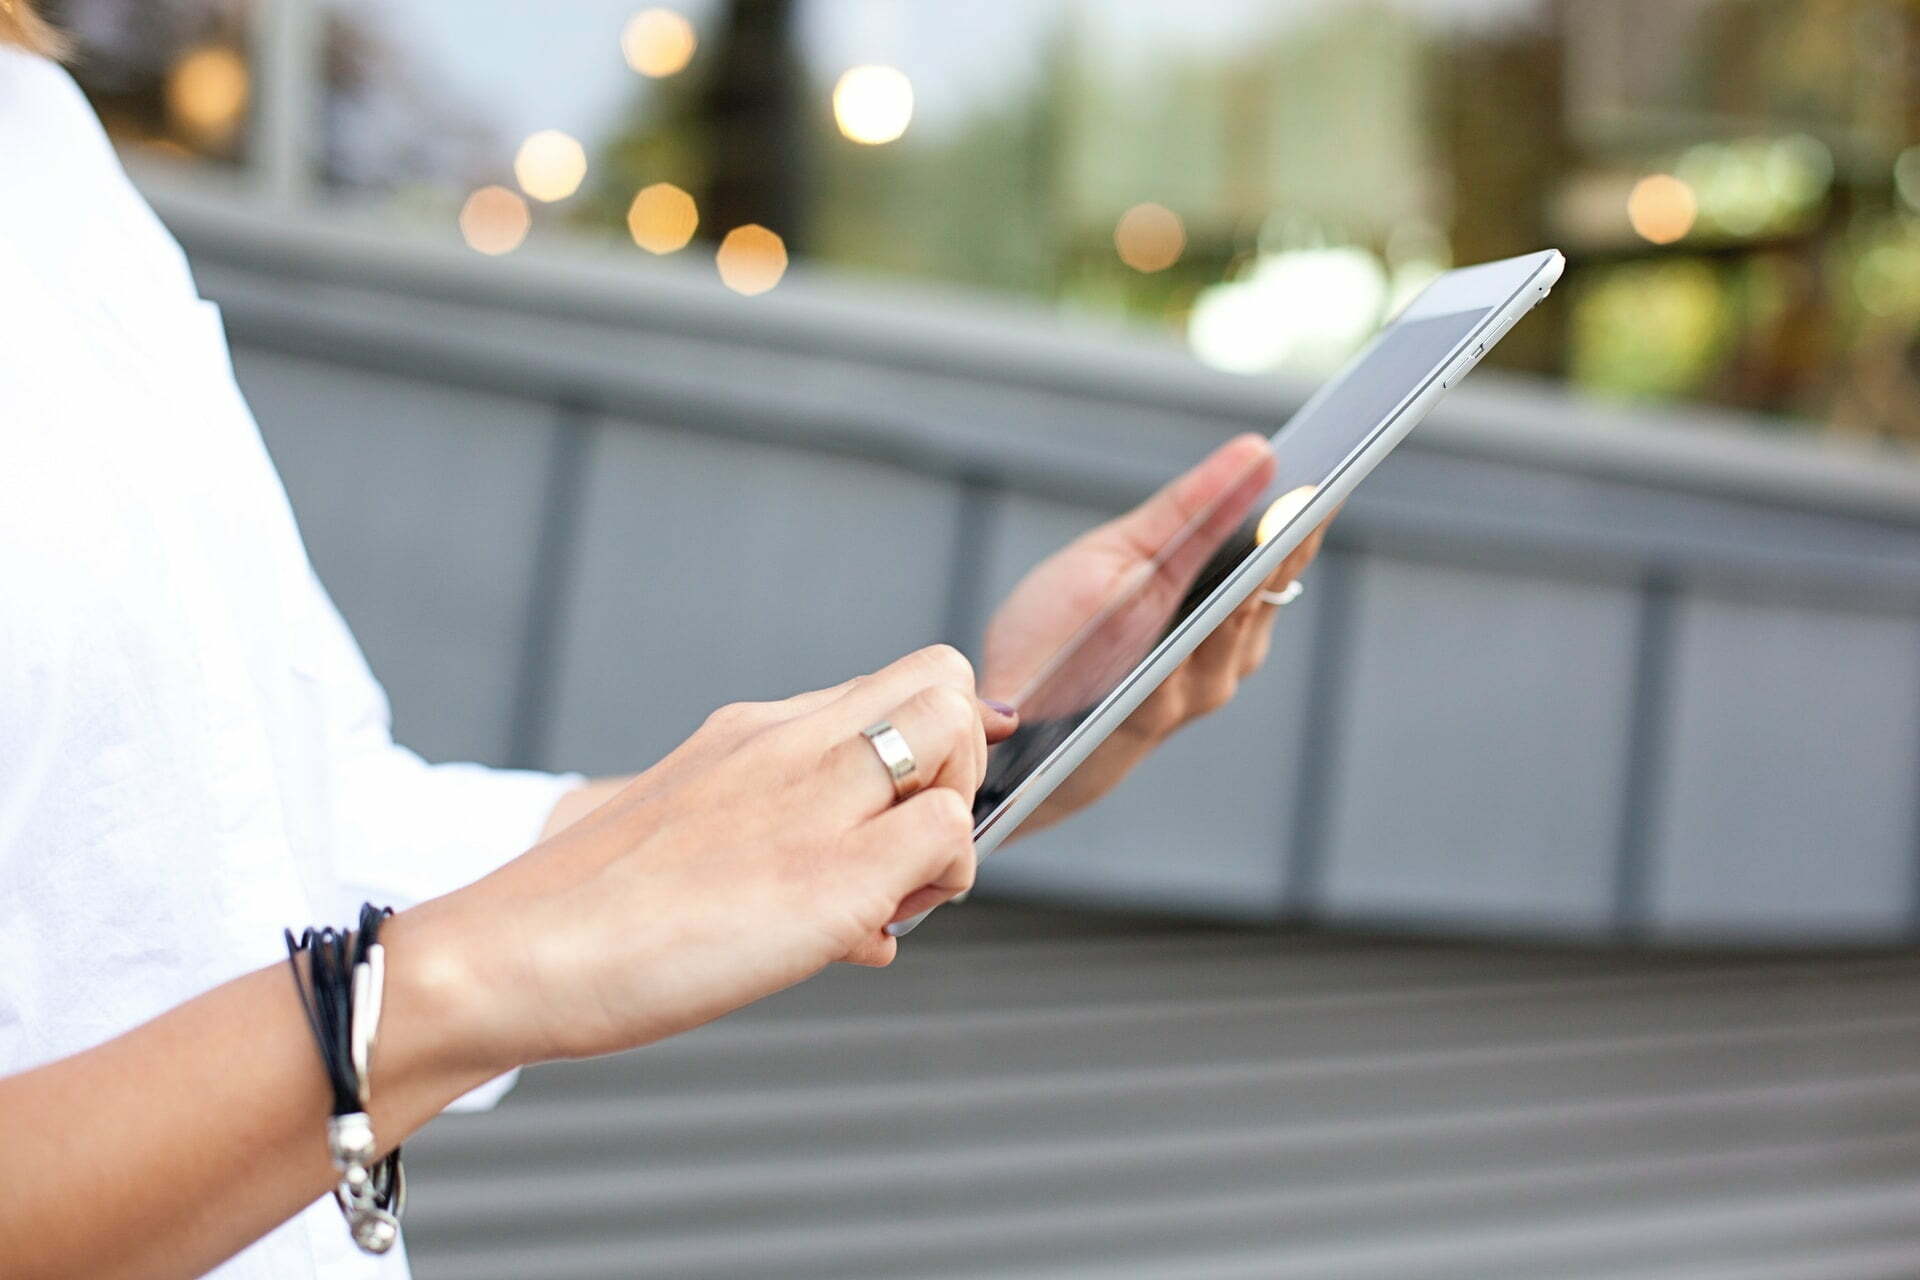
193 756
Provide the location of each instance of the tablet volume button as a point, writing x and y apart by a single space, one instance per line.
1460 366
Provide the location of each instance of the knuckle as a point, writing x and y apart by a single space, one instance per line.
949 663
871 955
948 814
732 716
1161 712
950 708
1218 694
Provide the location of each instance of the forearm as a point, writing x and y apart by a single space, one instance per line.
174 1146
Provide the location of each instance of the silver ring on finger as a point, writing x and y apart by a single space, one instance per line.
896 757
1283 597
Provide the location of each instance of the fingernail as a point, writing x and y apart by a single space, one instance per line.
1003 708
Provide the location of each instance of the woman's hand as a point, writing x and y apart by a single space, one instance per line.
1052 602
767 846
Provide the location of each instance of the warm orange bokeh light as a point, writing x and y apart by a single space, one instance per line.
1662 208
550 165
658 42
662 218
751 259
873 105
1150 237
495 220
207 94
1282 510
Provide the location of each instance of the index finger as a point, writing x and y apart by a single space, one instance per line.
860 702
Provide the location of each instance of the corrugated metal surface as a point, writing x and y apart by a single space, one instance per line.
1038 1096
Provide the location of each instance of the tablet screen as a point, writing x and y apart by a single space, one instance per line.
1124 629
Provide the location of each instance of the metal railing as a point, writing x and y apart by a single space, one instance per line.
1564 668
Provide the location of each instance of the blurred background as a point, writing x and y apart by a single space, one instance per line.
1544 909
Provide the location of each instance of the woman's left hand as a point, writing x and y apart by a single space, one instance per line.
1067 588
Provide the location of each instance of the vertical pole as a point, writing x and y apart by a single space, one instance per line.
287 57
1647 749
556 549
978 516
1322 720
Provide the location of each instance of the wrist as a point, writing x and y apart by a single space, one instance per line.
436 1027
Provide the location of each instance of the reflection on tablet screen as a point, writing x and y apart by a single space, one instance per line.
1143 610
1128 626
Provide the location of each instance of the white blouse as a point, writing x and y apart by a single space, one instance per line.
193 753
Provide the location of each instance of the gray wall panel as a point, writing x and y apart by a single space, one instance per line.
710 571
1202 823
1482 753
420 505
1792 775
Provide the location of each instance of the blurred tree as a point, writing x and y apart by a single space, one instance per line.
127 51
729 130
1500 124
750 102
975 203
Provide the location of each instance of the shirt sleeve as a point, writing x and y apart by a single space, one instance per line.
405 830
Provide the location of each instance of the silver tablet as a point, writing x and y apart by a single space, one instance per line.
1222 554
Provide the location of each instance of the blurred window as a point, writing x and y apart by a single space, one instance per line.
1736 182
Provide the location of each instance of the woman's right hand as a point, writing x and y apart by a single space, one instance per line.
766 847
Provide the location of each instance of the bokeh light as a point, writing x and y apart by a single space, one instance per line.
207 94
1281 511
1745 187
1650 329
658 42
751 259
873 104
550 165
1799 170
495 220
1662 208
1886 277
662 218
1150 237
1906 176
1302 310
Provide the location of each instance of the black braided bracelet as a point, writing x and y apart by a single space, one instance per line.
341 992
